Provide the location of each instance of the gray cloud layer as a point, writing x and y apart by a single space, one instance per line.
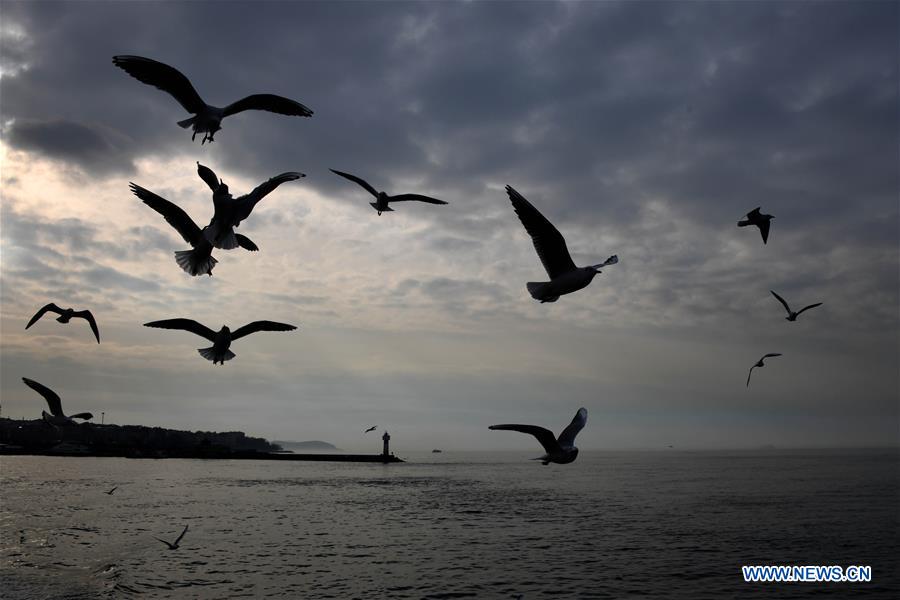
643 129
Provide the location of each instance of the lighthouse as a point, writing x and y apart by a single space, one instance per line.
387 438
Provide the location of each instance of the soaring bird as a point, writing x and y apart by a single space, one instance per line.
792 316
381 198
760 363
110 492
370 429
200 260
560 450
173 545
219 352
565 277
230 211
64 315
207 119
56 415
754 217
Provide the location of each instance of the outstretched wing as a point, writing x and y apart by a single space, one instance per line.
85 415
163 77
87 316
749 374
770 355
164 542
184 531
269 102
783 303
51 307
174 215
260 326
417 197
184 325
49 395
549 243
246 203
357 180
208 176
246 243
808 307
753 214
567 437
544 436
764 230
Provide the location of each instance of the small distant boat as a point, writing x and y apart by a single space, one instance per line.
436 451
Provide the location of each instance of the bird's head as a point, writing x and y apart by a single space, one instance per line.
222 190
225 329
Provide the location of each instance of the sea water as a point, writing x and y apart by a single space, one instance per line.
664 524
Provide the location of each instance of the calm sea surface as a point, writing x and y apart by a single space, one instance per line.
455 525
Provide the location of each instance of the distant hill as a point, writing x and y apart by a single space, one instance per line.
309 446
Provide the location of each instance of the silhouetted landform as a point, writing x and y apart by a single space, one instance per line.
436 451
310 446
136 441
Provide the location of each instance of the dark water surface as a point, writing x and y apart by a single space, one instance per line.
456 525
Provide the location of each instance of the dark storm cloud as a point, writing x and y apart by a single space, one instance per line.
93 148
593 104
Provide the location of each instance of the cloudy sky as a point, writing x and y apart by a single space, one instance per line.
640 129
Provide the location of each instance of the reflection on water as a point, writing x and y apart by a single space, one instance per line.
610 525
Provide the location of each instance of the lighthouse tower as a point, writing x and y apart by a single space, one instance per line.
387 438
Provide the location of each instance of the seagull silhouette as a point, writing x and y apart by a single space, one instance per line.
560 450
56 416
230 211
550 245
65 314
219 352
754 217
199 260
110 492
381 198
207 119
792 316
760 363
370 429
174 545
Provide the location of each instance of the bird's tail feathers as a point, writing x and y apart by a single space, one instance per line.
744 223
537 291
227 240
195 262
385 209
186 123
208 354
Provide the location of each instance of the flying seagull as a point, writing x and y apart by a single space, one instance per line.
219 352
230 211
174 545
760 363
198 261
110 492
56 415
565 277
560 450
207 119
64 315
381 198
754 217
370 429
792 316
